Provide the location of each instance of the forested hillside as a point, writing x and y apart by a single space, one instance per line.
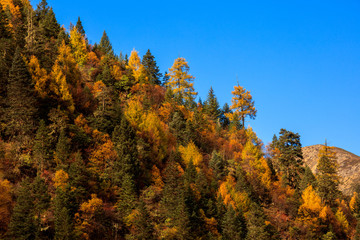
101 145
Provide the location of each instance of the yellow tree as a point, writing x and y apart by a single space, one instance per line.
135 65
78 44
180 81
242 105
65 75
39 76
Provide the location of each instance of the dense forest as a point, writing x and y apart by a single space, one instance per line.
99 145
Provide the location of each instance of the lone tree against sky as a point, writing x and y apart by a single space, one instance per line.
242 105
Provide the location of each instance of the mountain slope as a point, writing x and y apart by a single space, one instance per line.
349 165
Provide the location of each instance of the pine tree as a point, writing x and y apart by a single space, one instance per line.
242 105
80 27
224 120
124 139
41 199
151 68
22 225
217 164
256 226
143 227
48 24
180 81
307 179
105 45
42 146
327 176
233 225
211 105
173 200
21 111
291 158
62 149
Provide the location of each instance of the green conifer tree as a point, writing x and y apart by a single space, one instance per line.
80 27
105 45
62 151
291 158
42 147
151 68
233 225
327 176
22 224
256 226
211 105
21 112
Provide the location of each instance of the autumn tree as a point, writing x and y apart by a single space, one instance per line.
327 176
180 81
242 106
78 45
136 67
151 68
5 205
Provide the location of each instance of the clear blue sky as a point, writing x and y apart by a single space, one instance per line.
299 59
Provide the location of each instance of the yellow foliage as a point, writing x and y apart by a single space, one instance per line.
82 123
39 76
180 81
5 203
78 44
135 65
340 216
191 153
134 112
102 154
64 73
61 179
93 59
353 202
242 105
90 207
116 72
156 177
311 201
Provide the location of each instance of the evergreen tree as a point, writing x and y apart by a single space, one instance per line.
21 111
151 68
105 45
291 158
65 207
22 225
127 164
80 27
256 226
217 164
165 79
41 199
233 225
42 146
224 120
307 179
173 199
78 178
49 26
211 105
327 177
62 151
143 227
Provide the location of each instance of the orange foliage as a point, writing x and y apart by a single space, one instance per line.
39 76
61 179
191 153
5 204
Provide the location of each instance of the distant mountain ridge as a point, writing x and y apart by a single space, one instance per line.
349 165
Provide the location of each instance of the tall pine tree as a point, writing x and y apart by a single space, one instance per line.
151 68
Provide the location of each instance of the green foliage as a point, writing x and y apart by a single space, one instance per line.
291 158
233 225
21 111
80 27
105 46
151 68
22 225
211 105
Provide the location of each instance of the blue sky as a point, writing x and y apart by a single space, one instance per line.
299 59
